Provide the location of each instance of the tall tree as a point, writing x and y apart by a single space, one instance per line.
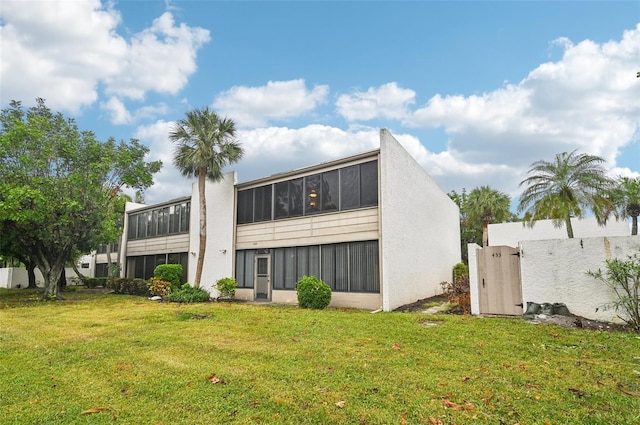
57 184
485 206
470 232
625 196
206 144
570 186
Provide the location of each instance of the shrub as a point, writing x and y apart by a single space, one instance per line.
171 273
93 282
226 287
127 285
159 287
189 294
624 278
313 293
458 292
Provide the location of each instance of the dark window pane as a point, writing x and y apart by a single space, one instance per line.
330 191
302 259
328 272
138 267
184 217
278 268
133 226
282 200
363 258
314 261
350 187
152 230
249 266
142 225
290 268
174 219
262 204
163 221
312 189
245 206
296 198
342 267
240 269
369 184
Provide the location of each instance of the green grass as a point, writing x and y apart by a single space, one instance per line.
140 362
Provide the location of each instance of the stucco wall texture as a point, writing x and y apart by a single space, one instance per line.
218 261
556 271
511 233
420 228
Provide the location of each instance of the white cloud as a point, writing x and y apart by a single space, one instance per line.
588 100
118 113
278 100
389 101
168 183
66 50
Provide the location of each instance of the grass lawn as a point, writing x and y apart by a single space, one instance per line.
109 359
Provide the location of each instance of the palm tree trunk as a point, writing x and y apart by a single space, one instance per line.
485 233
567 221
202 176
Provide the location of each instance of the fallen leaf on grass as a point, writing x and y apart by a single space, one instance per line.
465 378
340 404
577 392
94 410
396 346
455 406
435 421
215 380
629 392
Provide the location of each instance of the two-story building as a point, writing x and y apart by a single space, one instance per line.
373 226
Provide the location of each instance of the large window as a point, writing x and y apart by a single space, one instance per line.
355 186
345 267
143 266
159 221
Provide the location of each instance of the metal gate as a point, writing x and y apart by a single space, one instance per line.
499 286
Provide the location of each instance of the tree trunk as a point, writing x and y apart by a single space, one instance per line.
485 233
31 275
109 261
51 279
567 221
202 176
77 272
62 281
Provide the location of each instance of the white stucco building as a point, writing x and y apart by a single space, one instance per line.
373 226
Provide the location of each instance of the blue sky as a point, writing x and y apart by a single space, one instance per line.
476 91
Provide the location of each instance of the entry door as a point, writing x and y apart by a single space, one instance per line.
499 287
262 279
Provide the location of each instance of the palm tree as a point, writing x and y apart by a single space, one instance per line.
205 145
565 188
626 199
486 205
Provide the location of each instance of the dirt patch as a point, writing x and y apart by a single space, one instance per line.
576 322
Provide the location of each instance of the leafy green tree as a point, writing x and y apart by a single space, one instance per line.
470 232
625 196
486 205
568 187
206 143
57 185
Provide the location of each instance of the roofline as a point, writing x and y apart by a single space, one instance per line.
161 204
309 169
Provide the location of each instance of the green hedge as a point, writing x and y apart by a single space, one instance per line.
313 293
130 286
171 273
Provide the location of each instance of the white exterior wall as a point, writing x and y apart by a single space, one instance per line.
218 261
420 229
17 277
511 233
472 252
555 271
